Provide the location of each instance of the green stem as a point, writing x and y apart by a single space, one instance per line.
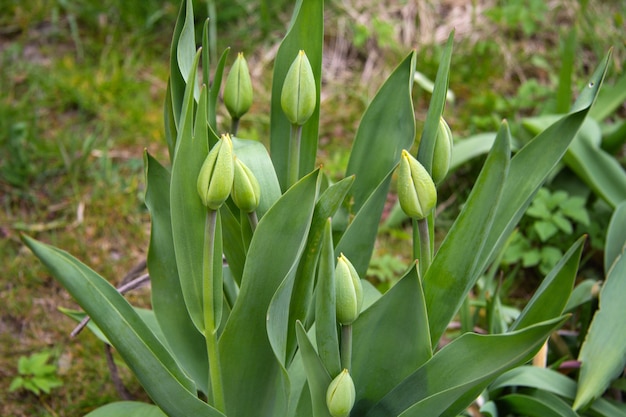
234 126
253 219
346 347
210 327
294 154
423 235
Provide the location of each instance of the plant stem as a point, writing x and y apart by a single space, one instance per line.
346 347
423 235
294 154
210 327
254 220
234 126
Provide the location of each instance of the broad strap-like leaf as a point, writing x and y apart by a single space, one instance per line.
535 404
451 380
615 237
317 376
358 240
127 409
603 353
252 376
186 342
454 270
157 371
435 108
188 214
387 127
306 32
391 340
182 53
553 294
542 154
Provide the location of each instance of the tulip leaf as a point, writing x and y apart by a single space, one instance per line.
252 375
305 33
214 92
187 210
317 376
401 343
386 128
542 153
536 404
453 271
357 242
155 368
127 409
603 353
325 306
182 52
615 237
435 109
553 294
451 380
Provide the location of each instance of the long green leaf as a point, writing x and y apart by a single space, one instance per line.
168 303
317 376
358 241
127 409
615 237
603 353
536 404
182 53
450 381
435 108
187 211
251 372
387 127
400 344
150 361
305 33
553 294
453 271
542 154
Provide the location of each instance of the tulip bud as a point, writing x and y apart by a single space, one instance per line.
299 96
416 190
443 152
246 189
238 89
348 291
216 175
340 395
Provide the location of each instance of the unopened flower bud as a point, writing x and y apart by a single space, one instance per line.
340 395
348 291
416 190
299 96
238 89
216 175
246 190
443 152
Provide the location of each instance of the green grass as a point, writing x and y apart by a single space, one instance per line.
81 92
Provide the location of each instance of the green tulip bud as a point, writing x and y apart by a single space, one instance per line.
246 188
416 190
340 395
238 89
348 291
216 175
443 152
299 96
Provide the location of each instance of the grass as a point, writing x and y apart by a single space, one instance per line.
81 91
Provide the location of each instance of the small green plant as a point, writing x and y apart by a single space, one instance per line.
36 374
540 241
256 257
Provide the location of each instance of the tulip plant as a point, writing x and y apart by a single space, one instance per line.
257 257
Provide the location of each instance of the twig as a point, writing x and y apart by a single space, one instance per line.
115 376
128 284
